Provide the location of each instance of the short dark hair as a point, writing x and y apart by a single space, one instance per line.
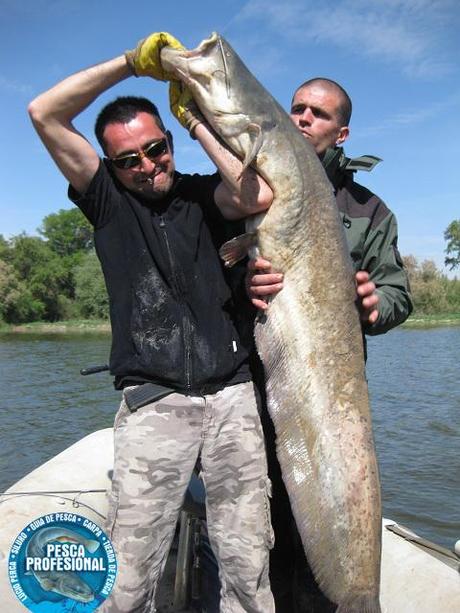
345 106
122 110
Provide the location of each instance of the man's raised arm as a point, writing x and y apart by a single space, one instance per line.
53 111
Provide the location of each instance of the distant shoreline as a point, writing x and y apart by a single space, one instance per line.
431 321
74 326
97 326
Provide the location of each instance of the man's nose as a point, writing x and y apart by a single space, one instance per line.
146 164
306 117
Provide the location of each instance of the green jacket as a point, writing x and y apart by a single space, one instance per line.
372 236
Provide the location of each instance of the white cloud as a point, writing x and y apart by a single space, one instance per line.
410 34
14 87
411 117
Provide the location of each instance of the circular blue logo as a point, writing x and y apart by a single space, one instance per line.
62 562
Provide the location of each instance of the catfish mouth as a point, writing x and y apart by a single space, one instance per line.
170 57
180 61
202 47
207 42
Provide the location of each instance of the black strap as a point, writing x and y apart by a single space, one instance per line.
145 394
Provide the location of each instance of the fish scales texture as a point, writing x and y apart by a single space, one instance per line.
309 339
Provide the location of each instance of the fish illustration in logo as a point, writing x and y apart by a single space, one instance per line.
65 583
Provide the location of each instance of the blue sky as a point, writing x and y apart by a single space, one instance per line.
398 59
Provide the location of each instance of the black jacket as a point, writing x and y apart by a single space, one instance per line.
171 307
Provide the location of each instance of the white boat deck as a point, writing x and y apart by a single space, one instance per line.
413 580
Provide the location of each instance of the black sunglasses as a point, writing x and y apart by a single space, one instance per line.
154 150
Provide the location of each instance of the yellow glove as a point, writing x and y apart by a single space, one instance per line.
183 106
145 60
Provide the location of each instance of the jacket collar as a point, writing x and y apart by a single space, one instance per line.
338 166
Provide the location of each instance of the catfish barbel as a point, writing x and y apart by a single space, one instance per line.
309 339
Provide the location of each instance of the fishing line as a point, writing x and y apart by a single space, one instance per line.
76 503
227 84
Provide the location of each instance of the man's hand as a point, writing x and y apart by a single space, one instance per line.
262 282
367 298
145 60
183 106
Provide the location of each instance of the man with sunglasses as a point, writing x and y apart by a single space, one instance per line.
321 109
176 351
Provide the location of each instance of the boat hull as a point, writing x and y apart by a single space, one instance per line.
412 580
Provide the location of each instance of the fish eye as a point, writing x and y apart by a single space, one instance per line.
219 74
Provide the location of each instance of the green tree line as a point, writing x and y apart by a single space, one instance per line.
433 293
56 276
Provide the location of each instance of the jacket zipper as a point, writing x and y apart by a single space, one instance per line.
186 329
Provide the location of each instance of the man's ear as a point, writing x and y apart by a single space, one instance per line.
169 137
343 134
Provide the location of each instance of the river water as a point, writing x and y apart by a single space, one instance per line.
415 392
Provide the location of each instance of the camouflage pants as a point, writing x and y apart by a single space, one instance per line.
156 449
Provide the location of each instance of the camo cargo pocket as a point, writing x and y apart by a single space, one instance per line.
270 535
112 513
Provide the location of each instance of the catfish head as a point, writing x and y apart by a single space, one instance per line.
219 83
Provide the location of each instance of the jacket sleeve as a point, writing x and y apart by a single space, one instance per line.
382 260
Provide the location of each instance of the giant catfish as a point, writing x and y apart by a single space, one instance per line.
309 339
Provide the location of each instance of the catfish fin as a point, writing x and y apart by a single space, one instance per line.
256 138
237 248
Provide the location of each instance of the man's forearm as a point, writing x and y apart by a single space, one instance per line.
71 96
53 111
241 193
384 264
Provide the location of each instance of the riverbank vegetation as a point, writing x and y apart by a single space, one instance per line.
52 277
56 277
433 293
